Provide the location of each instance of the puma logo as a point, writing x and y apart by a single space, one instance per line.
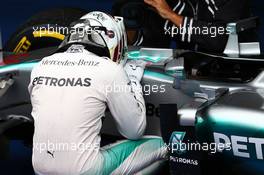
51 153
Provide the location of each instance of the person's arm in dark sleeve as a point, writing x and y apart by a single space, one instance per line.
223 12
210 36
179 7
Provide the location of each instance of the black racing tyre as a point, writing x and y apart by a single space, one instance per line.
143 19
56 23
133 11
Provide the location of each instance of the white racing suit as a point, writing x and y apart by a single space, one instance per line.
69 93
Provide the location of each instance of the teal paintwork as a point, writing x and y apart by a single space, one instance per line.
233 122
135 55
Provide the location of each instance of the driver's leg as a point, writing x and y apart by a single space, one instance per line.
130 157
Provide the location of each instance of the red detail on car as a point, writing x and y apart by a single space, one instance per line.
12 59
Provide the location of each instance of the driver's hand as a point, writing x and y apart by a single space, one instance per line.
162 7
135 69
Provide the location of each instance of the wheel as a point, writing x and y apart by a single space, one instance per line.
31 36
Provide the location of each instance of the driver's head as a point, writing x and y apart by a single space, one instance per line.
101 34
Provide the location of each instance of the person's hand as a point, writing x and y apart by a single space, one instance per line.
135 69
162 7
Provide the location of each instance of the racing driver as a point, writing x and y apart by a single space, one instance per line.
70 91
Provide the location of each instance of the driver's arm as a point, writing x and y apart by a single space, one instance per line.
126 104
